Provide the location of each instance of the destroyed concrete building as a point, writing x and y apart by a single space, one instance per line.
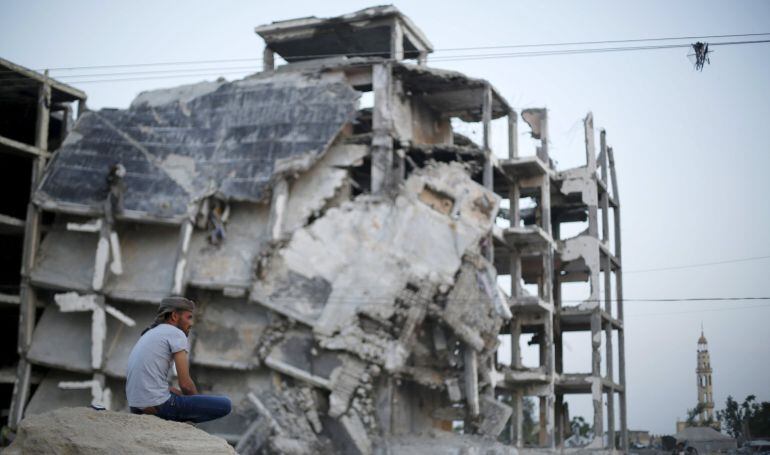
345 259
36 112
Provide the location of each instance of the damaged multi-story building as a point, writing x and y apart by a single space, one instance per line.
345 258
36 112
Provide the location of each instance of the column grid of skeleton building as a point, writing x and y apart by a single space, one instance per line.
539 255
345 258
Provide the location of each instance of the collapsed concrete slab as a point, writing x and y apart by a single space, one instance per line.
180 145
375 234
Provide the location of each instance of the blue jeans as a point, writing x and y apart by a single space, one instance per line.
194 408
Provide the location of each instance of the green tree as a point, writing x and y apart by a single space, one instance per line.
692 415
579 426
529 427
732 417
750 416
528 423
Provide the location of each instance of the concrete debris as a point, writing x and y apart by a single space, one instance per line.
287 415
110 432
473 306
174 144
444 442
494 416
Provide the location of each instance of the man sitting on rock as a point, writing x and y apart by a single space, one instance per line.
147 386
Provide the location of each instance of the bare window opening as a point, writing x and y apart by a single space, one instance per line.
581 414
503 218
498 138
504 350
504 281
363 122
573 293
527 144
527 211
576 352
531 421
360 178
530 288
609 235
527 203
530 350
366 101
572 229
471 130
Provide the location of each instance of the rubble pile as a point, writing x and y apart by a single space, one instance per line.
86 431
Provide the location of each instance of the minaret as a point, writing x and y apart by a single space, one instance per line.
703 372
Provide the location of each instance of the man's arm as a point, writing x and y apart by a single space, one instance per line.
183 373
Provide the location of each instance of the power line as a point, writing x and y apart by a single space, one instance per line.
693 299
165 71
632 315
364 54
339 299
583 43
702 264
586 51
190 72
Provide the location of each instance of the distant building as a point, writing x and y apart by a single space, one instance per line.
705 388
639 438
706 440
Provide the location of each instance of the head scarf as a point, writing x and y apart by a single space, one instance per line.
169 305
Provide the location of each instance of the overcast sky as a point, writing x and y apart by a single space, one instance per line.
691 147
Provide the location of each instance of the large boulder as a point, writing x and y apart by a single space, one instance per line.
86 431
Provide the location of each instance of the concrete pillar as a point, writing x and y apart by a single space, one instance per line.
382 173
545 204
396 40
28 295
598 404
588 125
513 134
515 328
185 234
268 59
82 107
619 306
517 419
486 119
596 385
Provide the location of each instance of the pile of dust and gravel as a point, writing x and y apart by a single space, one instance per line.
86 431
445 443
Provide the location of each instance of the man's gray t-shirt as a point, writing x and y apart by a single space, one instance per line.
149 364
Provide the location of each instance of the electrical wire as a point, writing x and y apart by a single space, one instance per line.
364 54
187 72
708 310
702 264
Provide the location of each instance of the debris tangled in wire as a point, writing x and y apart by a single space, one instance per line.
701 55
